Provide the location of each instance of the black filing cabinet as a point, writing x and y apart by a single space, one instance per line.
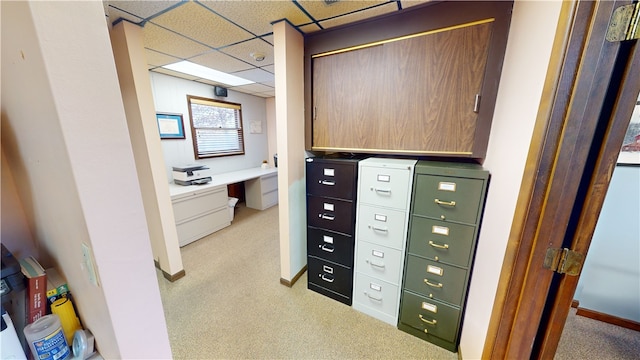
331 216
446 212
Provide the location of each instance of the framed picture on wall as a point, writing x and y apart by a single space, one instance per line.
630 152
170 126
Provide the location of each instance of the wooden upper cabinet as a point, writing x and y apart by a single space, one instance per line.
429 92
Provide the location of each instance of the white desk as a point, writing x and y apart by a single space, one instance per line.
200 210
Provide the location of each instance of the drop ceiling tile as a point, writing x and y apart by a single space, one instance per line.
243 51
253 88
409 3
209 82
319 10
114 15
164 41
268 38
309 28
271 83
142 9
267 94
220 61
155 58
360 15
270 68
201 24
256 16
174 73
257 75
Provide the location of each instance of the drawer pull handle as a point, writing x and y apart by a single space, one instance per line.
383 191
373 263
438 285
447 203
323 277
373 297
328 217
445 246
378 229
328 182
432 322
327 249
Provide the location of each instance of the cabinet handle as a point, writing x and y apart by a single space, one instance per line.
327 249
432 322
379 229
438 285
373 263
328 182
447 203
328 217
323 277
476 104
445 246
373 297
384 191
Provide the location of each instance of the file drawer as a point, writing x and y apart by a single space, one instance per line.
430 316
331 246
441 241
381 226
198 203
331 214
386 187
454 199
378 296
435 280
332 178
329 275
379 261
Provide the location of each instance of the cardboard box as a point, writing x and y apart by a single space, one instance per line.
36 304
56 285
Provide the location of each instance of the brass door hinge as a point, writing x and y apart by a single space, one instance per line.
624 23
563 261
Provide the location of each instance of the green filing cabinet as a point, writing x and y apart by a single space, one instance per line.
446 211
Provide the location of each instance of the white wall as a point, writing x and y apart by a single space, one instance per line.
170 95
65 139
610 279
531 36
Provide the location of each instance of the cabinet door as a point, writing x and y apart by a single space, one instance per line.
354 109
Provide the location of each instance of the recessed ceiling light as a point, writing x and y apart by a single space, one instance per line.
187 67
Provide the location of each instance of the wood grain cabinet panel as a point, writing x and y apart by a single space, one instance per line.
421 82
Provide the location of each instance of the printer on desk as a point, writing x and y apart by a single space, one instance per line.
190 175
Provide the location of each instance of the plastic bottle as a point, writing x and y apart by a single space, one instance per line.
46 339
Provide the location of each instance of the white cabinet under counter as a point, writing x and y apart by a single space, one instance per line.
200 210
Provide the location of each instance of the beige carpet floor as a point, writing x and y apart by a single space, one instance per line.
231 305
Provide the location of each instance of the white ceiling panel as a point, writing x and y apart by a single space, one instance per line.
202 25
251 14
222 34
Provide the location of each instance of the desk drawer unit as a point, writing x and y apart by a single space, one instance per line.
446 212
262 193
384 190
200 213
331 199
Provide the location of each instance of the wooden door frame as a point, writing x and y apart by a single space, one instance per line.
573 151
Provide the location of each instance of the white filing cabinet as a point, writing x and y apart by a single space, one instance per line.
200 212
384 197
262 192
